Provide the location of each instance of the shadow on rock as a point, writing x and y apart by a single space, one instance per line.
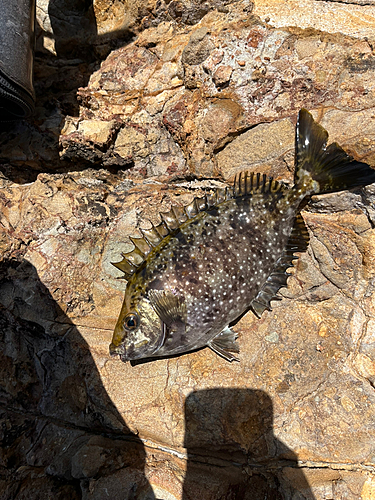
72 22
61 434
64 62
232 451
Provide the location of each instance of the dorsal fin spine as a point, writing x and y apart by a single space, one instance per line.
192 209
132 257
264 184
251 182
162 229
245 184
179 214
239 191
141 245
211 199
146 237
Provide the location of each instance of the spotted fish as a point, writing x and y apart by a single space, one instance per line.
206 264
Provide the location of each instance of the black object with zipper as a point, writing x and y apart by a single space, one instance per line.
17 25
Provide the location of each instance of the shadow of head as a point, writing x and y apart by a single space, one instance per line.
74 27
58 422
233 452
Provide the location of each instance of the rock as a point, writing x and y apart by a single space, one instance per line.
222 75
255 148
351 18
146 104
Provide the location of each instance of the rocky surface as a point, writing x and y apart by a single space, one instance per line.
142 105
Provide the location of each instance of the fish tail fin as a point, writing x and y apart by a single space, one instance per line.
321 168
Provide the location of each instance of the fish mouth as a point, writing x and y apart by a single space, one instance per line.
120 351
130 353
117 350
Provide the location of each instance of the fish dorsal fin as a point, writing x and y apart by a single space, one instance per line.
150 239
171 221
298 242
245 184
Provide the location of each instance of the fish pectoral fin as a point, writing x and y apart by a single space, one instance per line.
175 330
225 342
170 307
163 336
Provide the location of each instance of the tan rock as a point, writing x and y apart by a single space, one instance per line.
222 75
96 130
256 147
350 18
114 15
368 489
204 90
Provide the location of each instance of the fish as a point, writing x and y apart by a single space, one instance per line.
208 263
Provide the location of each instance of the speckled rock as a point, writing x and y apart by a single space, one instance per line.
149 104
225 81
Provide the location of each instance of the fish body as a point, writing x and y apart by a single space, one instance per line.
208 263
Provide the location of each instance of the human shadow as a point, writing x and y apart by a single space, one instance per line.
79 49
73 20
232 451
64 62
60 432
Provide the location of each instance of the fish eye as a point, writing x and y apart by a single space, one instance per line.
131 321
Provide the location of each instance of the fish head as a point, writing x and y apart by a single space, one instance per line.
138 332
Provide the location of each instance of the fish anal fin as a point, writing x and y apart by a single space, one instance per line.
298 242
299 236
259 305
170 307
224 344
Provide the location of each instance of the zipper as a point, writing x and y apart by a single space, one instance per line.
15 102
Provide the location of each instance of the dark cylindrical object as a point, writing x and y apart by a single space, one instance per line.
17 24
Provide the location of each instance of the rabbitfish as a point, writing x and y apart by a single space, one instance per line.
206 264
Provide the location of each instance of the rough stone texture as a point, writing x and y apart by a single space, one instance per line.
144 104
353 17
